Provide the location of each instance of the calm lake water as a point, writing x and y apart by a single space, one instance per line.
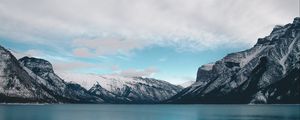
149 112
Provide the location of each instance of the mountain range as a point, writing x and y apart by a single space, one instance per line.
30 80
267 73
137 89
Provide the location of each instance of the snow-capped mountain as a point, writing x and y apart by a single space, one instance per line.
269 72
31 79
19 85
125 89
61 90
266 73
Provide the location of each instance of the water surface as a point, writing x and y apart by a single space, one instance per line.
149 112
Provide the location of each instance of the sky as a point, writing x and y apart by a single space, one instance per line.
163 39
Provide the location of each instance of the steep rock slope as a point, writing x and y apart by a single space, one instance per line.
17 85
61 90
266 73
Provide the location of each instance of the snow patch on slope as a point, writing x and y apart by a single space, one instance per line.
109 82
187 84
85 80
283 59
249 57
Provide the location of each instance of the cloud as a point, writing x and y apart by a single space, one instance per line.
148 72
60 64
115 68
103 27
63 66
82 52
94 47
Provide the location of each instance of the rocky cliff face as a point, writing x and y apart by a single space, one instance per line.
266 73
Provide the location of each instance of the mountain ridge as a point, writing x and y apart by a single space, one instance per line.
267 73
242 77
128 89
31 79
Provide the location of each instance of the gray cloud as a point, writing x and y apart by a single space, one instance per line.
116 26
63 66
94 47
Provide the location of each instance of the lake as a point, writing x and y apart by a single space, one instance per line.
149 112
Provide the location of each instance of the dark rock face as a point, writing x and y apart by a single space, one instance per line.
286 90
266 73
205 73
78 94
38 66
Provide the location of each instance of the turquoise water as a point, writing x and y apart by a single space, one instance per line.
149 112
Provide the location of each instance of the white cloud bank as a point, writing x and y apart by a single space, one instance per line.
101 27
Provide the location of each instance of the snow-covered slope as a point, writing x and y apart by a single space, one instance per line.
243 77
33 80
187 83
57 87
19 85
85 80
130 89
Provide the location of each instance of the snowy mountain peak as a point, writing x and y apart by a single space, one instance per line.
130 89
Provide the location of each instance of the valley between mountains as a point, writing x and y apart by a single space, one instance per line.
267 73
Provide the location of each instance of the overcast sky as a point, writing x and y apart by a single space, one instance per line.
165 39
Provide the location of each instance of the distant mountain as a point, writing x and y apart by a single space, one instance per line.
120 89
187 83
266 73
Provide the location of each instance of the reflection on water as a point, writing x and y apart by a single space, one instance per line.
149 112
